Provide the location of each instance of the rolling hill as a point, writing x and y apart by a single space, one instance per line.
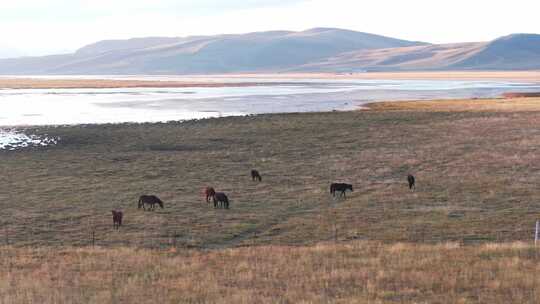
514 52
318 49
259 51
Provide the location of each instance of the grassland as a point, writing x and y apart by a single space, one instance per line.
477 175
453 240
353 272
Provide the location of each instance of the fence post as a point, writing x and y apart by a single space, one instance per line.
536 232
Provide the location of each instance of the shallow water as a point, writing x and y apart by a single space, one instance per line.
21 107
13 140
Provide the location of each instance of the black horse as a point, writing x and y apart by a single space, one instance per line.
255 175
221 200
117 218
340 188
151 200
412 181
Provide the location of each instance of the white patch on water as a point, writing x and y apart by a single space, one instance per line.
13 140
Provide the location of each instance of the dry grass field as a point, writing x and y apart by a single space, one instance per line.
353 272
477 173
453 240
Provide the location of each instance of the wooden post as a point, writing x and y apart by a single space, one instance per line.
7 235
536 232
93 237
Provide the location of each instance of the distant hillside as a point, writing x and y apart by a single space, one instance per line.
514 52
319 49
262 51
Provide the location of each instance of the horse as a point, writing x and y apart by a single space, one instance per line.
151 200
341 188
412 181
209 192
221 199
117 218
255 175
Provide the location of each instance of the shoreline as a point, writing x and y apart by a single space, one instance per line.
245 80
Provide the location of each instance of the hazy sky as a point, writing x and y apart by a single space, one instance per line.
47 26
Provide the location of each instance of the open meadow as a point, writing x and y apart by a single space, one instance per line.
352 272
453 240
477 174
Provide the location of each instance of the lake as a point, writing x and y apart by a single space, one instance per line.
24 107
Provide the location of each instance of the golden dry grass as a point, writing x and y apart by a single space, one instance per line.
355 272
527 104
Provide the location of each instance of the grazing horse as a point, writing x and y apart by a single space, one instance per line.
411 180
151 200
221 200
209 193
340 188
255 175
117 218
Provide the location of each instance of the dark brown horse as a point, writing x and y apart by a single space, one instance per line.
340 187
209 193
255 175
117 218
412 181
151 200
221 200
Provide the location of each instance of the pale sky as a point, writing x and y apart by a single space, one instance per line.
37 27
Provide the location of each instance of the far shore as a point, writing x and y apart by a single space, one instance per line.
245 80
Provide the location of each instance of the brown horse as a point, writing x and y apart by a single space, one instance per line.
151 200
255 175
117 218
209 193
221 200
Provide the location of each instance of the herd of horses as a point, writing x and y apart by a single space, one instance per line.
221 200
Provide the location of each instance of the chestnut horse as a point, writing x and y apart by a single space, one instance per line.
209 193
117 218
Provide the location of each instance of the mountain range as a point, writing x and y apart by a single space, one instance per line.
314 50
